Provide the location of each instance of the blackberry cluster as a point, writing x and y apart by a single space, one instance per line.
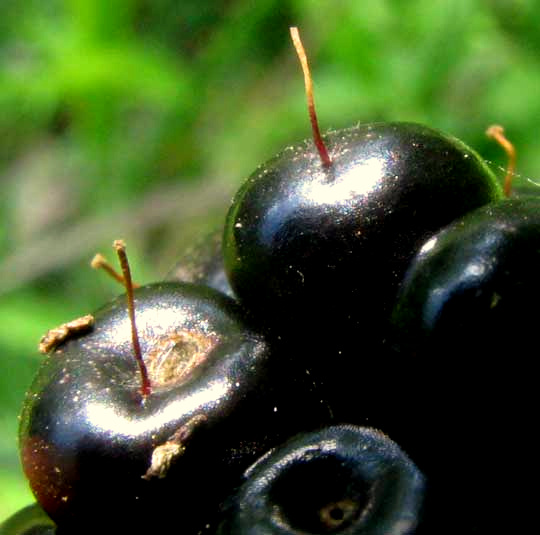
328 362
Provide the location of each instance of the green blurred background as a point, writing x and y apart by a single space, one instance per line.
137 119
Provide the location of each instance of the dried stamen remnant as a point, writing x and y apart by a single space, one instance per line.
496 132
54 337
100 262
120 248
176 354
317 138
164 455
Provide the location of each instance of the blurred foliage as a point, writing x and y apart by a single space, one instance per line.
138 119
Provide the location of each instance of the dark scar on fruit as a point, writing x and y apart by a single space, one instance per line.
54 337
164 455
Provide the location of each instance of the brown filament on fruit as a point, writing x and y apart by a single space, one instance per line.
120 248
317 138
100 262
496 132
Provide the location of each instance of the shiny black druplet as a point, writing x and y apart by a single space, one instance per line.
309 247
87 437
341 480
478 276
466 320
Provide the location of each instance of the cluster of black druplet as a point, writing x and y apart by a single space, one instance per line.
349 355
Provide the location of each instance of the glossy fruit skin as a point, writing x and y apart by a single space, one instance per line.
308 247
86 438
203 264
319 254
479 272
342 479
31 520
467 316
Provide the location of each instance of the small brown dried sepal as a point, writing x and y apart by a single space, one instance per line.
164 454
54 337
